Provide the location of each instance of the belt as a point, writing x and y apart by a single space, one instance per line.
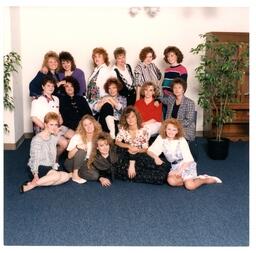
176 161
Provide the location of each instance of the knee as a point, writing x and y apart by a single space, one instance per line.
106 109
189 185
63 142
172 181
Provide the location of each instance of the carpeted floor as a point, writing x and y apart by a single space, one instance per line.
128 213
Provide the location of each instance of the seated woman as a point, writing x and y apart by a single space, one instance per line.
73 106
49 103
79 150
146 70
68 68
181 108
43 152
134 164
175 148
110 107
49 69
151 115
123 72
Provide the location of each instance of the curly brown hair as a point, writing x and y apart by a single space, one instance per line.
119 51
102 51
126 112
103 136
47 56
175 123
145 51
111 81
147 84
174 50
82 132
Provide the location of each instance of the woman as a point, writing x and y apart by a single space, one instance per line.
49 103
174 57
133 163
123 72
181 107
43 154
95 87
79 150
146 70
174 146
150 113
110 107
49 69
72 105
68 68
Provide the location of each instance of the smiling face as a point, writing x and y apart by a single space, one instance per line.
52 126
98 59
148 59
171 131
66 65
52 64
131 119
178 90
112 90
149 91
120 60
48 88
69 89
103 147
172 58
88 126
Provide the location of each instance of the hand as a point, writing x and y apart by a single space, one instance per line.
158 161
156 103
82 146
36 178
133 150
61 83
131 172
105 182
44 70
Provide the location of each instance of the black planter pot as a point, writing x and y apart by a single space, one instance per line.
218 150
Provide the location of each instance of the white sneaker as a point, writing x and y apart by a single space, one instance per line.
79 181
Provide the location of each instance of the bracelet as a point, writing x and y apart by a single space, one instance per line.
77 147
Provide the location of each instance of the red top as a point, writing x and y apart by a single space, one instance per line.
149 111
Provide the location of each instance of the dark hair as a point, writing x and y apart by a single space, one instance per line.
102 51
126 112
49 79
174 50
119 51
110 81
145 51
66 56
180 81
73 82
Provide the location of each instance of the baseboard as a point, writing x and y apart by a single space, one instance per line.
14 146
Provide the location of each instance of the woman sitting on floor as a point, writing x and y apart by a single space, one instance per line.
134 163
173 145
43 153
79 150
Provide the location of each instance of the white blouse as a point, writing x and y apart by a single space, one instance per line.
172 149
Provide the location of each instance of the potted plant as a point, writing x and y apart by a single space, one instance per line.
221 67
11 62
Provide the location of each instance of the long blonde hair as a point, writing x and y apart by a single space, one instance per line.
82 132
101 137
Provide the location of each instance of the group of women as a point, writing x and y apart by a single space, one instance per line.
106 125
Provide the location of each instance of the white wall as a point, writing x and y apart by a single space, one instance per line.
80 29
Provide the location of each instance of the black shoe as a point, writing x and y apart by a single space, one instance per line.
21 188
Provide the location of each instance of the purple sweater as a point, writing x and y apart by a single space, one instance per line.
78 74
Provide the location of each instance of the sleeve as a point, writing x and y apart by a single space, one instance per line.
187 156
35 108
75 140
159 113
139 80
104 74
35 86
120 135
81 80
158 72
157 146
188 117
35 150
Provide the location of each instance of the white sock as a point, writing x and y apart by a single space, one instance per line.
111 126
